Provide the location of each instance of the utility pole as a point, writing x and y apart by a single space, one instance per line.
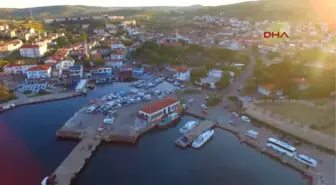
176 32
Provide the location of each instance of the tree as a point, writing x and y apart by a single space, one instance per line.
99 62
86 62
2 64
224 81
127 42
5 95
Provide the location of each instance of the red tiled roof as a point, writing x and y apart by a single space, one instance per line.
181 69
268 87
15 65
156 106
40 68
29 46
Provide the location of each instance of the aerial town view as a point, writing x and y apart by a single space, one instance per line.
155 93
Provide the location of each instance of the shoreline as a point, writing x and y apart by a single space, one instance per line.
39 99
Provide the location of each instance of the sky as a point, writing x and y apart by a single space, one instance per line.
115 3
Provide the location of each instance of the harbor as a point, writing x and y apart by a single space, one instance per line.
192 134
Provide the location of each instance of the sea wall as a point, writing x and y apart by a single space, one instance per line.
289 126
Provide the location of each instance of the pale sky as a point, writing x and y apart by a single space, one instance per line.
117 3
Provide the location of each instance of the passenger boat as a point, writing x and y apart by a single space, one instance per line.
188 126
203 138
169 120
91 86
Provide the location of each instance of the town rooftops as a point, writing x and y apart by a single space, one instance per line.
181 69
159 105
26 46
17 65
40 68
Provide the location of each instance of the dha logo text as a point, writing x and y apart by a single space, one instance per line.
275 34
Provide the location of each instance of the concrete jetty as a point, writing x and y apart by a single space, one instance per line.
76 160
192 134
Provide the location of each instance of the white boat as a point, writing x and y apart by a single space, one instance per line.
203 138
188 126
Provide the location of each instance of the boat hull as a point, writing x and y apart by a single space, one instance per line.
169 124
183 131
198 145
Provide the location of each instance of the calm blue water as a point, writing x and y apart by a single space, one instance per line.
30 131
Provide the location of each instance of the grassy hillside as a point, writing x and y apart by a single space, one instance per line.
49 11
286 10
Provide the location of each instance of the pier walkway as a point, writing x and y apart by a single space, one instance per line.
76 160
190 136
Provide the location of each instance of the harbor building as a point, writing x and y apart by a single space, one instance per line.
159 109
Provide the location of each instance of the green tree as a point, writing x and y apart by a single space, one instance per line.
224 81
99 62
2 64
127 42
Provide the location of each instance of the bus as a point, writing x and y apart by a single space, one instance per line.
281 147
306 160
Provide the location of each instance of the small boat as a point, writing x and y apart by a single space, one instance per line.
91 86
203 138
169 120
188 126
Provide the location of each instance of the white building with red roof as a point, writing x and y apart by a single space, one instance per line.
3 27
17 68
39 71
33 51
159 109
182 73
115 63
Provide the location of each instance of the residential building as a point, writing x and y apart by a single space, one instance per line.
33 51
3 27
17 68
76 71
126 68
65 64
158 109
269 90
117 45
39 71
101 72
182 73
215 73
137 71
114 63
119 55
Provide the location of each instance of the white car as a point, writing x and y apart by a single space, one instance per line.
234 114
191 100
244 118
204 106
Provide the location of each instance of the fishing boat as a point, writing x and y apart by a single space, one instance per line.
91 86
203 138
188 126
169 120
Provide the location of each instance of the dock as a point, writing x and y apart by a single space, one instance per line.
191 135
72 165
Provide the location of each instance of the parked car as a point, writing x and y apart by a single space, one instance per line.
235 114
191 100
245 118
204 106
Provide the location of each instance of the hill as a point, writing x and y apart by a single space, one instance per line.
49 11
286 10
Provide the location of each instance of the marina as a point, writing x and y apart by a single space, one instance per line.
192 134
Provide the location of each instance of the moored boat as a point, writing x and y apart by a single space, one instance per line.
169 120
188 126
203 138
